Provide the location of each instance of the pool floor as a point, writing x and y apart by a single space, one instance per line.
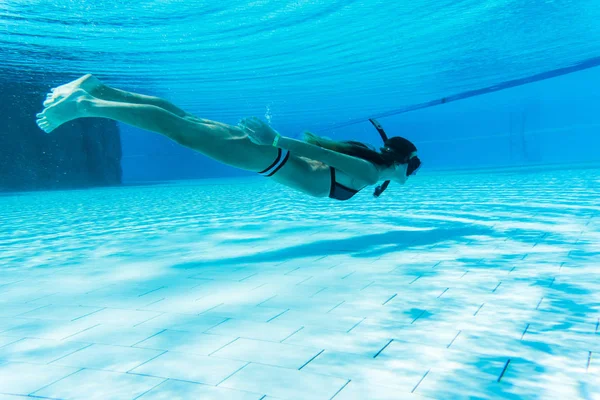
451 287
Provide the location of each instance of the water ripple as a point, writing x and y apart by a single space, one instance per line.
311 63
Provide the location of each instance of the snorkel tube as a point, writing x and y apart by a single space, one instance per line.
379 189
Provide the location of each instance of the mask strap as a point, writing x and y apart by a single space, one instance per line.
377 125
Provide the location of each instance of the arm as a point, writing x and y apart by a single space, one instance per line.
350 165
261 133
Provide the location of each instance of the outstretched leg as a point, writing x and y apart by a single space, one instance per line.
221 142
96 88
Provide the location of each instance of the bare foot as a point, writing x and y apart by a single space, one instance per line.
64 110
87 82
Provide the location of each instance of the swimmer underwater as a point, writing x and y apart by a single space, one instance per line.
315 166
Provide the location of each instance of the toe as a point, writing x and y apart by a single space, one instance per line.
48 102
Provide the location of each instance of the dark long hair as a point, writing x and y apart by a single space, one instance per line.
396 149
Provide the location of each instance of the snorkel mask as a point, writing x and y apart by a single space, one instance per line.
414 163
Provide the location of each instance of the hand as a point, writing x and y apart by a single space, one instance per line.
258 131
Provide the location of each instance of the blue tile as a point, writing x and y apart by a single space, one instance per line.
90 384
178 390
189 367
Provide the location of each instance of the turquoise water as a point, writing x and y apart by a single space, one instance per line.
303 64
244 290
479 284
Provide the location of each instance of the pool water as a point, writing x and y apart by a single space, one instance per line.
478 285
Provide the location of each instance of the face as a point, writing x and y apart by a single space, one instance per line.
412 164
400 173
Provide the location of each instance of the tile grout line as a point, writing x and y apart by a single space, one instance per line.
153 290
33 396
355 325
39 298
35 309
289 272
420 380
309 361
342 388
144 363
93 312
264 301
77 333
316 293
214 326
524 332
15 341
150 319
222 347
258 287
390 299
150 304
383 348
278 315
151 389
479 309
235 372
455 337
540 303
71 353
346 276
293 333
503 370
302 281
210 309
248 277
12 283
56 381
497 286
341 302
149 337
420 315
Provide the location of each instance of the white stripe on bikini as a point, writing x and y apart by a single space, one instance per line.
277 164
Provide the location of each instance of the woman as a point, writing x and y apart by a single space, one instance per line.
318 167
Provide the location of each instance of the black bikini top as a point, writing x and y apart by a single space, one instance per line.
338 191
